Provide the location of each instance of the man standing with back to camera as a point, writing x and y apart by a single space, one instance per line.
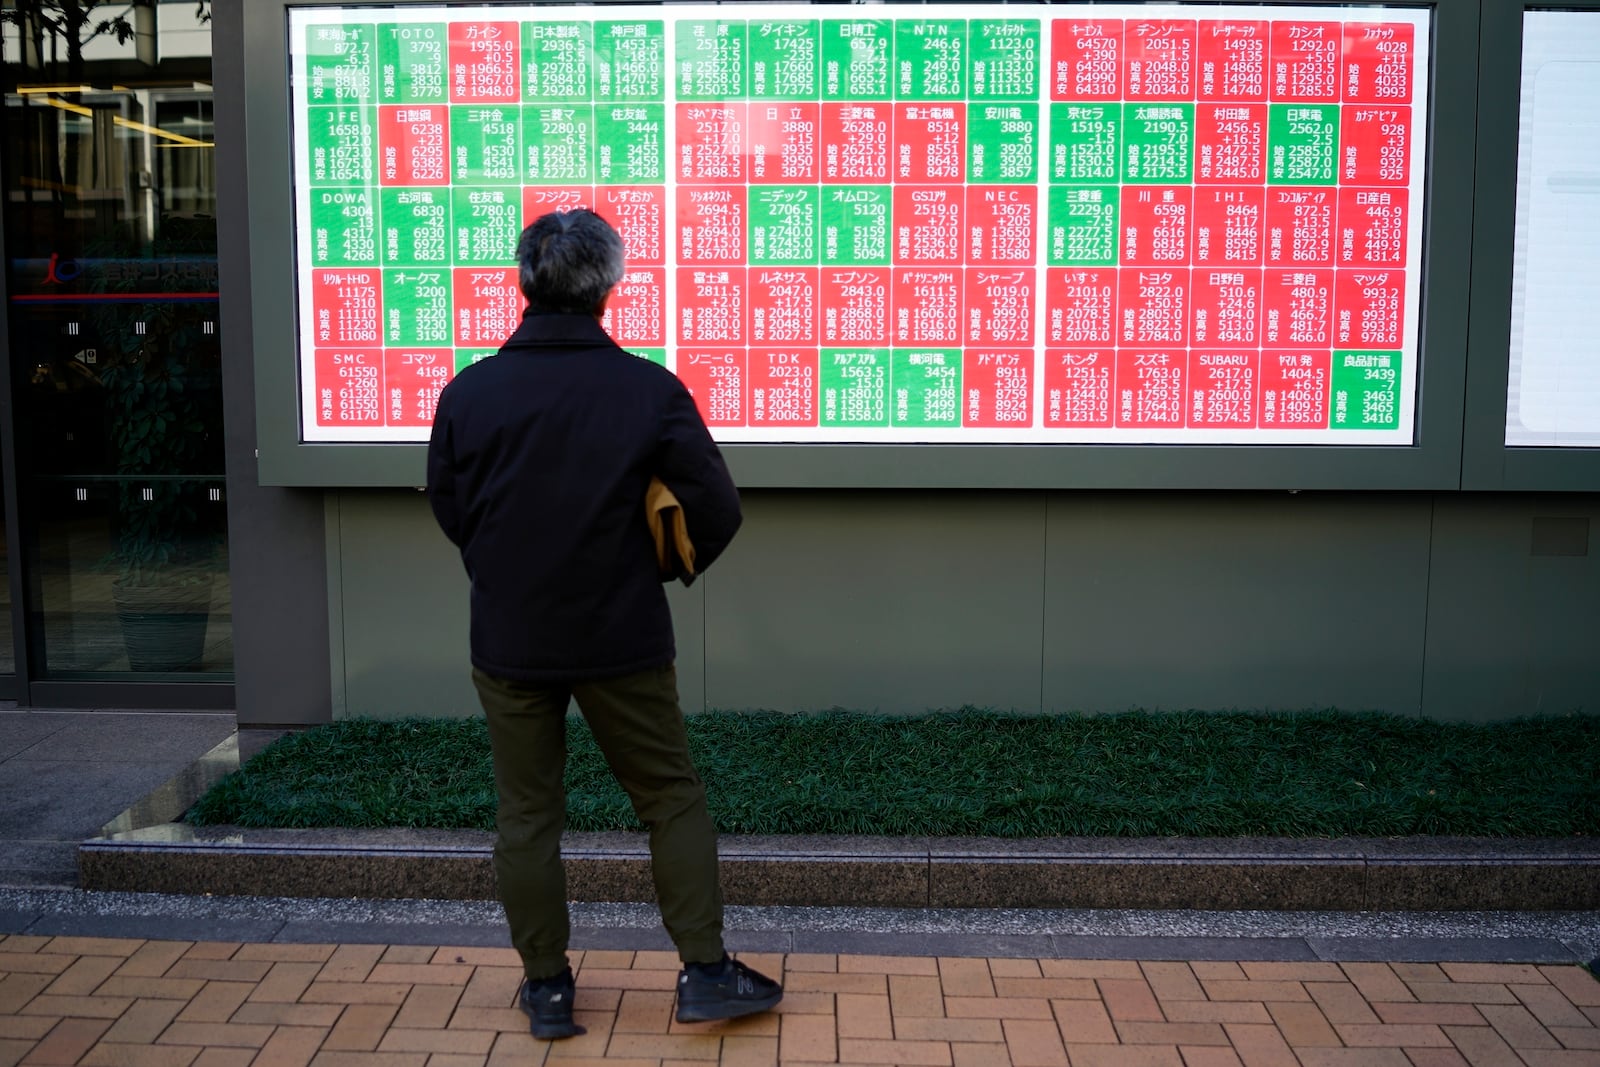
537 470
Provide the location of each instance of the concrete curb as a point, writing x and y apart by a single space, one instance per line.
1213 874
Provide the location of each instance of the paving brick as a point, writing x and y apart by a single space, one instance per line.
290 1046
608 960
350 963
1518 1026
486 956
220 970
1127 969
95 946
51 963
807 1038
963 1054
24 943
1001 967
369 1059
900 1053
1377 982
1435 1057
428 1007
1136 1033
82 1007
745 1051
1482 1046
1083 1022
13 1049
492 987
1353 1057
180 989
1172 981
1124 1056
31 1027
1539 1057
360 1027
1419 972
763 1024
143 1022
644 1011
1582 1037
911 994
1398 1035
112 1054
274 953
408 953
1034 1043
1217 971
504 1020
1593 1014
1301 971
794 1003
1067 988
16 990
919 965
1000 1007
1206 1056
421 973
67 1041
1129 999
84 976
230 1035
212 950
1260 1045
225 1057
676 1046
985 1031
810 961
453 1059
1578 985
961 977
313 1015
216 1002
399 1039
1342 1002
592 1043
1251 990
1438 1014
656 960
608 978
863 1015
1303 1025
1497 973
320 992
1210 1011
286 981
1548 1004
1461 993
518 1050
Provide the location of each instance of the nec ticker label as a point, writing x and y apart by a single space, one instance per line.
1098 223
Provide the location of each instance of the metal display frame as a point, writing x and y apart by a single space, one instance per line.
1487 462
1432 462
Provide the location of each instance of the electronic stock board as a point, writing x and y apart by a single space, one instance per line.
1143 224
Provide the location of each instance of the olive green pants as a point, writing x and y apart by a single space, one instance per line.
639 726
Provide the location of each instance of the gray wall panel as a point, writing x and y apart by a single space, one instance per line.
1268 600
896 602
1512 632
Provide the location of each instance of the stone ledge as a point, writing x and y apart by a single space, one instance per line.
1478 874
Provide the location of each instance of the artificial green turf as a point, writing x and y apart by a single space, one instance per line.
975 772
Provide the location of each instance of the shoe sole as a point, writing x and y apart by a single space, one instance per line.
552 1031
734 1010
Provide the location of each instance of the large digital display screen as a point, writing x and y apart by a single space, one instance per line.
935 223
1553 381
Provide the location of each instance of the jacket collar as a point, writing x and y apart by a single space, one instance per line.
558 330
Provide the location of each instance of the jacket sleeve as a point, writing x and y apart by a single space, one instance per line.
692 467
442 477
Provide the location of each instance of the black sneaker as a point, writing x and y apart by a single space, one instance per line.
707 992
549 1007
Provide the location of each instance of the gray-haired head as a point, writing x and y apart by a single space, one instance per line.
569 261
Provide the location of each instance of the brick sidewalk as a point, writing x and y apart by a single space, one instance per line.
132 1003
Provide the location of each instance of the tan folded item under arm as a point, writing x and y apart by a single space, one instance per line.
669 530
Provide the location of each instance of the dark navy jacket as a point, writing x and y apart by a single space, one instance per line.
537 470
